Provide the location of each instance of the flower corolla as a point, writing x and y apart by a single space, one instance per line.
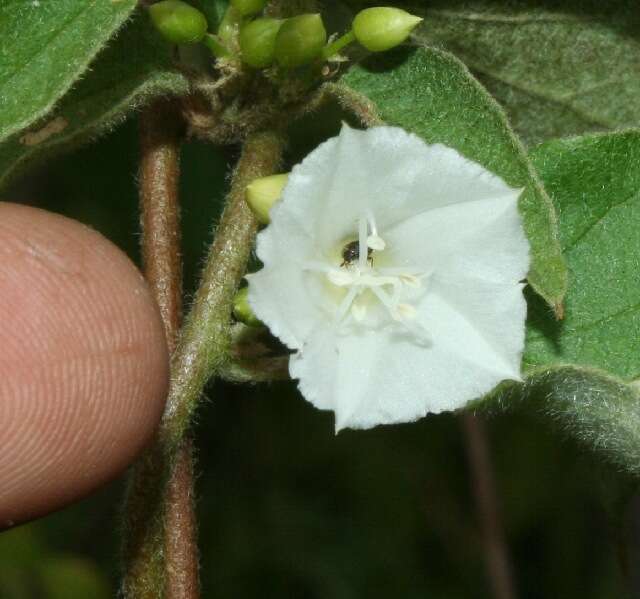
394 270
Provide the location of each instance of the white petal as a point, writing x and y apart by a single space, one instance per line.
284 295
481 322
482 239
449 225
384 171
384 377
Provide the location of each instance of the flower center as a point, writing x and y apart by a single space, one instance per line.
368 285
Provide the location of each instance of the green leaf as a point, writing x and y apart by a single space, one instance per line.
595 184
432 94
214 10
134 69
44 47
558 68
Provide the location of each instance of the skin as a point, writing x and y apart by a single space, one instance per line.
83 362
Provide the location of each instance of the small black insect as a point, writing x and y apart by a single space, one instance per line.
351 253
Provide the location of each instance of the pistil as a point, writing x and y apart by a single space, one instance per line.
385 284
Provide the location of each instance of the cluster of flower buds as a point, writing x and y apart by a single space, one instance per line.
263 41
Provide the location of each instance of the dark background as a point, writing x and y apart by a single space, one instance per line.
288 509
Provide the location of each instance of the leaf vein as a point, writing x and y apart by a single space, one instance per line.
575 242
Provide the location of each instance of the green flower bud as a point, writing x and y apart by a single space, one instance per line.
300 40
242 310
178 22
258 42
248 7
382 28
263 193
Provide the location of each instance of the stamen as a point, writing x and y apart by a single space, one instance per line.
386 284
375 242
411 280
406 311
372 223
362 243
345 304
386 301
341 278
396 271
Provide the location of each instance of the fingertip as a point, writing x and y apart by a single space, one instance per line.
83 362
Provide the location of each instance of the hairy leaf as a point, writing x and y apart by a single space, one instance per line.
432 94
593 408
133 70
595 184
44 47
559 68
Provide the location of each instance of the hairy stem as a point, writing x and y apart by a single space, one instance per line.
160 243
181 564
160 212
161 254
205 341
202 349
495 548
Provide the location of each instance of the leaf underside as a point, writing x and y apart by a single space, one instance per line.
558 69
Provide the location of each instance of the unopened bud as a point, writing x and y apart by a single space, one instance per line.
242 310
263 193
258 42
248 7
300 40
178 22
382 28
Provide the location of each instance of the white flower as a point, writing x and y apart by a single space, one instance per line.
394 270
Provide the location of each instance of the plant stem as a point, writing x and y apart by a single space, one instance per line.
160 212
161 255
334 47
205 341
160 139
202 349
181 563
495 549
